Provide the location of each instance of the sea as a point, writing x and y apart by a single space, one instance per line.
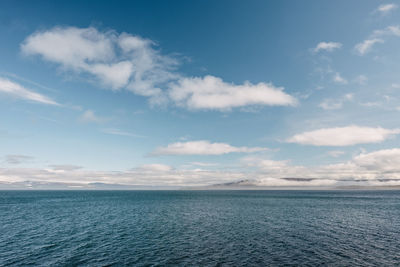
200 228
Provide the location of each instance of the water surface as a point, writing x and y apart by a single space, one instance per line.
212 228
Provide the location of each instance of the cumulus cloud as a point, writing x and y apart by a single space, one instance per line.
16 90
125 61
387 160
211 92
343 136
377 168
327 46
116 60
366 46
203 147
385 9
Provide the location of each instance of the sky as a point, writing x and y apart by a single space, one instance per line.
194 93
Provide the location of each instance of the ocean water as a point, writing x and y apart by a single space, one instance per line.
201 228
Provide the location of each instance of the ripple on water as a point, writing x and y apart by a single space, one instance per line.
214 228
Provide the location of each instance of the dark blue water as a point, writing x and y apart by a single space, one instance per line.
212 228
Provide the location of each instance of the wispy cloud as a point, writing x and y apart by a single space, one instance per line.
327 46
332 104
335 153
17 77
343 136
115 131
155 167
377 36
366 46
65 167
203 147
203 164
393 30
16 90
385 9
17 159
361 79
337 78
90 117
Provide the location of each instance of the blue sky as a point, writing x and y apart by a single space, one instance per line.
200 92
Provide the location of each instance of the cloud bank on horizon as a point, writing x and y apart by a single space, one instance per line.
254 105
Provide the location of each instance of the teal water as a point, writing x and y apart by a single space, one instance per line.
202 228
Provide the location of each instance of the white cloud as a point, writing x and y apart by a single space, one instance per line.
155 167
65 167
213 93
116 60
203 164
265 164
145 175
203 147
376 37
387 160
125 61
385 9
327 46
89 116
367 45
76 47
271 172
343 136
377 168
18 91
301 182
